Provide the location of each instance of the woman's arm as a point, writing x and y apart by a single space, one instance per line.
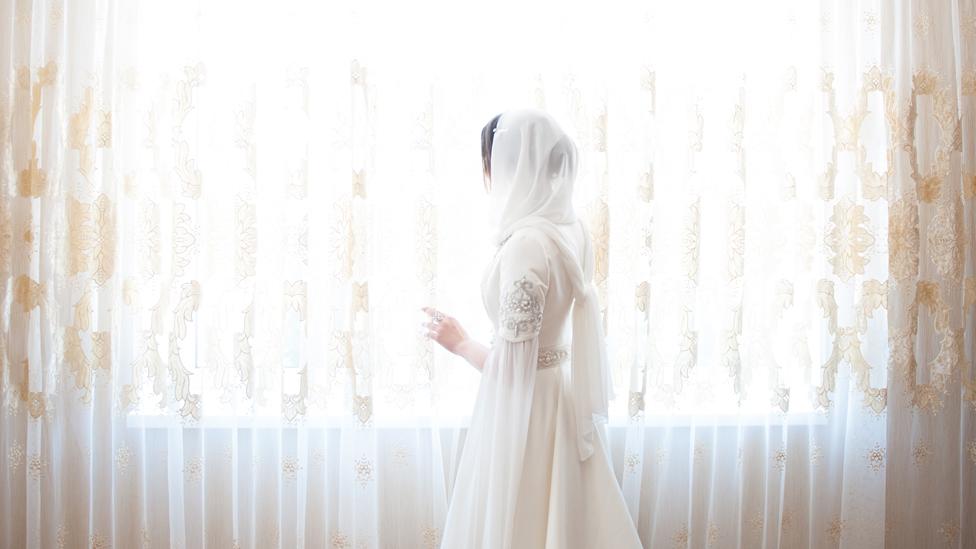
472 351
450 335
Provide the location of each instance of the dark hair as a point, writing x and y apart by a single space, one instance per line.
487 138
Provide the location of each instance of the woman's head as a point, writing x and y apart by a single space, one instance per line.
530 166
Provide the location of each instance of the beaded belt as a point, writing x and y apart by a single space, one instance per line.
552 356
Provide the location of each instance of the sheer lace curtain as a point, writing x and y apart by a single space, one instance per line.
218 221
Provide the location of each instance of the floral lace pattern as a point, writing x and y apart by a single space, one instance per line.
520 313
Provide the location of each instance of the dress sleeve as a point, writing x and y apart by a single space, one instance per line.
523 283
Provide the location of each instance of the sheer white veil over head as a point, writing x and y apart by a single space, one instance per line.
533 171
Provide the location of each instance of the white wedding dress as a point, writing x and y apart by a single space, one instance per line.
521 482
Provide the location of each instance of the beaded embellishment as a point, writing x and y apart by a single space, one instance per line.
521 309
552 357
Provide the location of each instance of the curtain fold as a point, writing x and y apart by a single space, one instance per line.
932 289
219 220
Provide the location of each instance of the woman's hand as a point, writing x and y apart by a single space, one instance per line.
444 329
447 332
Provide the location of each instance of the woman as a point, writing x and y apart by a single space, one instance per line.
534 472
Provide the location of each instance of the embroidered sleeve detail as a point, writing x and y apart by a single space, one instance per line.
520 314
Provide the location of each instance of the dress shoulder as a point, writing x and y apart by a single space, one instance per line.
524 270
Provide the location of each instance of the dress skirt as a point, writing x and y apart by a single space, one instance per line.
561 502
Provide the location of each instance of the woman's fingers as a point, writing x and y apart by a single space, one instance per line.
433 329
442 328
437 315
